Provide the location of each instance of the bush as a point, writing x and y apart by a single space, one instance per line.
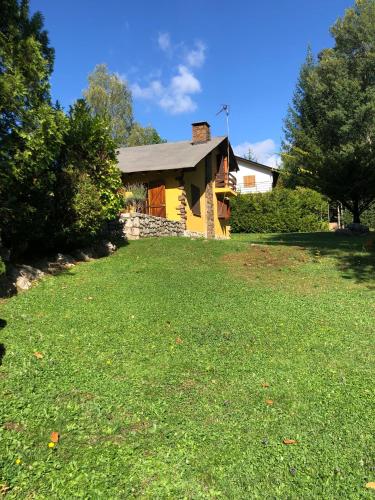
279 211
2 267
367 217
80 217
135 196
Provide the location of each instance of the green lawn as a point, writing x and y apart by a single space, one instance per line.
158 363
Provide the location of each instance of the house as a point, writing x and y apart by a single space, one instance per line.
254 177
188 181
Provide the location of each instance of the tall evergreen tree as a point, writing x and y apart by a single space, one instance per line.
330 127
31 129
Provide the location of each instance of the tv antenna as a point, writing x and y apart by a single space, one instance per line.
225 109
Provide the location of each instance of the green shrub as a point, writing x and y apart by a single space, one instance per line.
2 267
135 196
279 211
367 217
80 217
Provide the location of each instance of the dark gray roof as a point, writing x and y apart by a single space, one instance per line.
166 156
254 163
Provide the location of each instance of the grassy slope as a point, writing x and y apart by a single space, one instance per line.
153 367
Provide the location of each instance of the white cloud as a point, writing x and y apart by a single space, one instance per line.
175 94
264 151
196 57
175 97
185 82
164 41
152 91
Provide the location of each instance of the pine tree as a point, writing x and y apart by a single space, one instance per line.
330 127
31 129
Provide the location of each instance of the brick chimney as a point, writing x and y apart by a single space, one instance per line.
201 132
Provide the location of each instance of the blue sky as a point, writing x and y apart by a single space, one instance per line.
184 59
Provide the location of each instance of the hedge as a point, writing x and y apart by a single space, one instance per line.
279 211
367 217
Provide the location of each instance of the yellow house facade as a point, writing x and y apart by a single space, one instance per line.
186 181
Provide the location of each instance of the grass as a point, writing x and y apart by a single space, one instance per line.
176 368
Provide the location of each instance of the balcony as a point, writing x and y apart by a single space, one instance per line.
226 183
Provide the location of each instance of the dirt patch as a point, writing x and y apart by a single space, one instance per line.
76 395
258 257
13 426
280 267
118 438
141 426
188 384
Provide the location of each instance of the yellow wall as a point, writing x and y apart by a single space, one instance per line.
171 197
171 188
196 177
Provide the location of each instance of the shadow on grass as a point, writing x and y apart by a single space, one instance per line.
3 324
49 266
354 255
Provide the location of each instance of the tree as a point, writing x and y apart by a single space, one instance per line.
87 188
250 155
140 136
330 127
31 129
110 97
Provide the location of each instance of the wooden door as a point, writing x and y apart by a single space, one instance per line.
156 199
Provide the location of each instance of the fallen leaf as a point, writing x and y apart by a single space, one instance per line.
179 340
265 385
4 488
38 355
269 402
55 436
371 485
289 441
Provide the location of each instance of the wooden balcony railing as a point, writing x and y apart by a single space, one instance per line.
226 180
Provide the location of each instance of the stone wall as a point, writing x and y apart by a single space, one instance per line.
136 226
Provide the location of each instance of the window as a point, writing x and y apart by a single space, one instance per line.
195 200
249 181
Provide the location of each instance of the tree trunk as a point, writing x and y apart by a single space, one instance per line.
356 213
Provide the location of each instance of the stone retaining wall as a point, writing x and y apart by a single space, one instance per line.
136 226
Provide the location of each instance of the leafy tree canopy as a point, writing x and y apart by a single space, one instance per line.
330 127
90 149
110 97
140 136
